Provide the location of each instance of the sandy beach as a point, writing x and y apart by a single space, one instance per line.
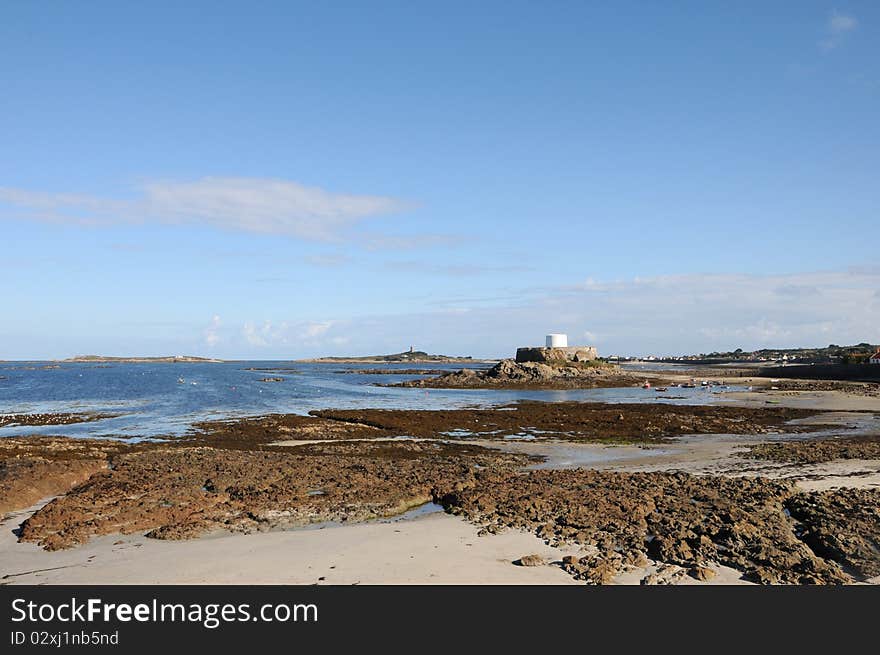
433 549
436 548
460 545
822 400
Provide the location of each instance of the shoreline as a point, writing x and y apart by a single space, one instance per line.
374 360
433 549
101 359
336 465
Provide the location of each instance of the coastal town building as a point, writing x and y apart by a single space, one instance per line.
875 358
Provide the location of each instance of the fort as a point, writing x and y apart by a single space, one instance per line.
556 349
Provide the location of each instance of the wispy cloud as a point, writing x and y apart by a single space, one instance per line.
268 206
680 313
411 242
260 336
212 334
664 314
836 29
328 261
316 329
293 335
454 270
839 23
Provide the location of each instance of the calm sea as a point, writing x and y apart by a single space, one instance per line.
165 399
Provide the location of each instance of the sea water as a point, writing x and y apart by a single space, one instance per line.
155 399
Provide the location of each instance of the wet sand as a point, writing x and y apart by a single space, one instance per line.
818 400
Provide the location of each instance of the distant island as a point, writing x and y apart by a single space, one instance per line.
408 356
177 359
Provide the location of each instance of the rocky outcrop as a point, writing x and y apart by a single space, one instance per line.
25 482
689 522
230 476
34 468
509 374
530 560
815 451
571 421
555 355
842 525
393 371
7 420
173 492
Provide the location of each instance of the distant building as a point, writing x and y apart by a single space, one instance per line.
875 358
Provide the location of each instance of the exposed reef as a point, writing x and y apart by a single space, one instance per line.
509 374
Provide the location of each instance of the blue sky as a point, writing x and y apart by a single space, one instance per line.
279 180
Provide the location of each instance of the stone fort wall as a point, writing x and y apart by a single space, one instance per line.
570 354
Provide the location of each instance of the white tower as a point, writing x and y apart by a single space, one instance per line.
557 341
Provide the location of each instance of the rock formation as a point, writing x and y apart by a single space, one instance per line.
556 355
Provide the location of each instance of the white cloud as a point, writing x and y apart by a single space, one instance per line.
212 336
256 336
289 335
666 314
837 26
261 205
250 335
839 23
315 329
686 313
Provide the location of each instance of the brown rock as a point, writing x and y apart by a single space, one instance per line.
530 560
680 519
701 573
